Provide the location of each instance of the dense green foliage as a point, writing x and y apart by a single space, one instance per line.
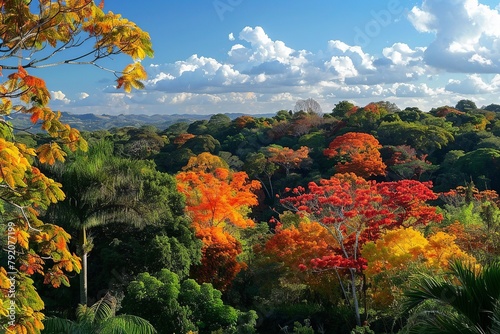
184 306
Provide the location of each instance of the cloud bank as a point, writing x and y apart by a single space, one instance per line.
262 75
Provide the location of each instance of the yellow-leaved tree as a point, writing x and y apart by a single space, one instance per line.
36 35
402 252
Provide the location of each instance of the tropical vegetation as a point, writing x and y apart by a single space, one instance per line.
362 219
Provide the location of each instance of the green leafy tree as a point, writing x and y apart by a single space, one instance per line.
177 307
218 126
493 107
483 166
177 128
258 166
448 175
410 114
283 115
342 108
469 140
492 142
466 105
171 160
155 297
128 250
473 217
198 127
138 143
404 163
366 118
203 143
424 138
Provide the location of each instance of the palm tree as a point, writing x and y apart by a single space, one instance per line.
99 318
466 301
100 189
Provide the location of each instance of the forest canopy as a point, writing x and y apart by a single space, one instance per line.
354 220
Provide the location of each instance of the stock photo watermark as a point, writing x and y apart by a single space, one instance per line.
223 6
11 275
380 19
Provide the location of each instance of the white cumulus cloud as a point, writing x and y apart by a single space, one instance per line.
402 54
466 32
83 96
60 96
472 84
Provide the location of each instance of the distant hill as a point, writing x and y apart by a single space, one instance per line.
93 122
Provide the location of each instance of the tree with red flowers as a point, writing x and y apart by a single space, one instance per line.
296 241
358 153
354 211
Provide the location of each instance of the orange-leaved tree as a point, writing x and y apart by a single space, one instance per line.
182 138
286 157
218 203
358 153
355 211
297 244
219 262
297 241
37 35
219 199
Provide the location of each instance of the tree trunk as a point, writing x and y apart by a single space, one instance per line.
355 296
83 272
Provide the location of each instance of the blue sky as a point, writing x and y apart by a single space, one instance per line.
256 56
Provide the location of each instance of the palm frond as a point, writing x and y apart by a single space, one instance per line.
84 314
64 326
115 214
57 326
467 300
104 308
495 318
437 322
491 278
429 288
99 319
126 324
481 290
